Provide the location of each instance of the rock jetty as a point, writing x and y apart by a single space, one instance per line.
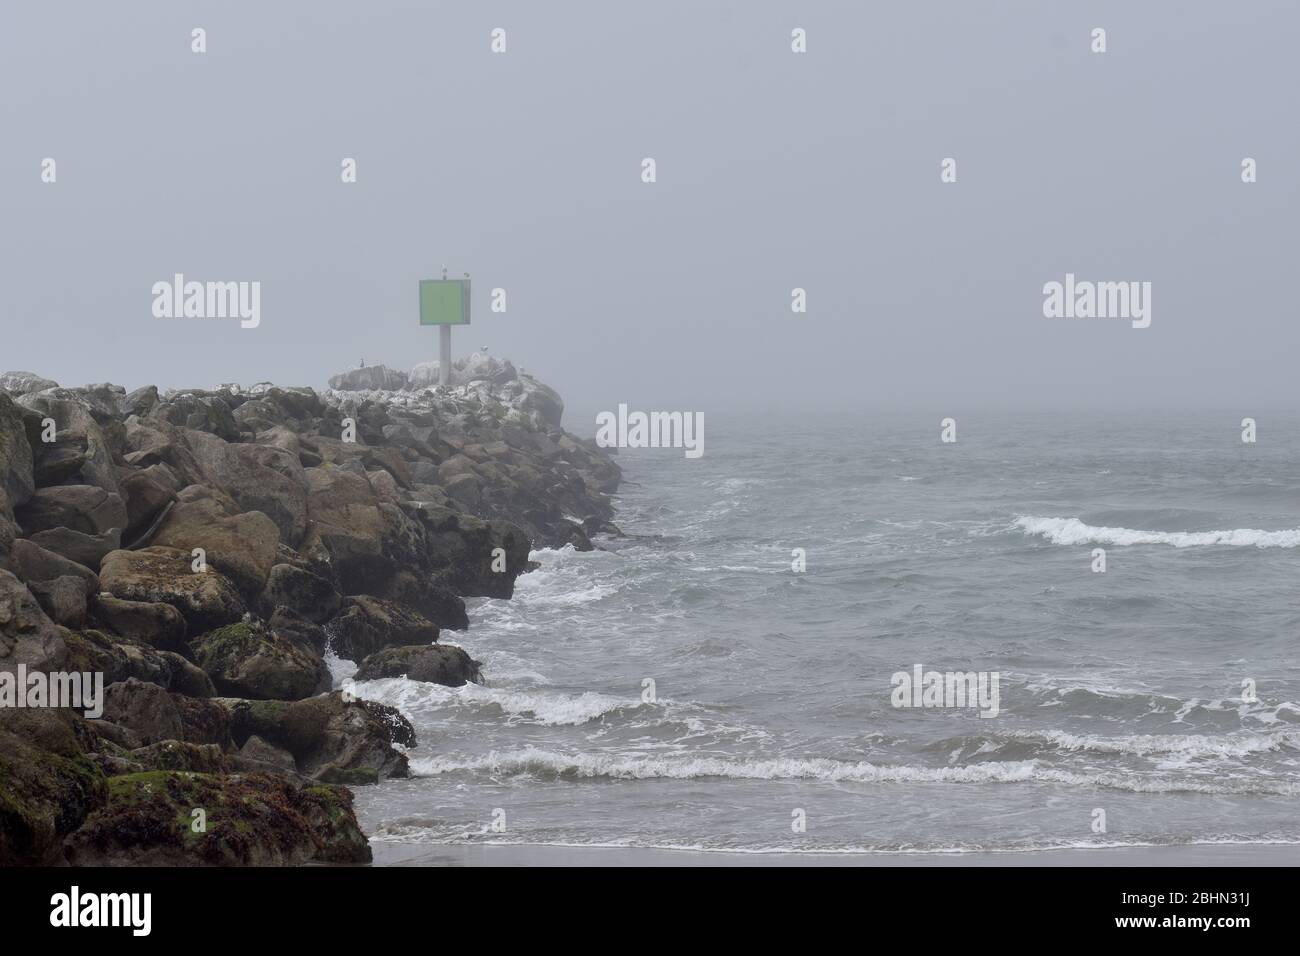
200 551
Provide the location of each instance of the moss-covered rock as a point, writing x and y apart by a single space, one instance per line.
181 755
91 650
434 663
328 735
304 593
433 599
240 546
152 714
369 624
159 625
47 785
249 660
206 599
177 818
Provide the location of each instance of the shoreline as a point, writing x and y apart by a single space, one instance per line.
526 854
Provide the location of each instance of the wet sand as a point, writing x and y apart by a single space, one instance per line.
409 854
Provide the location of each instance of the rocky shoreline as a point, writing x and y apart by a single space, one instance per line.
202 550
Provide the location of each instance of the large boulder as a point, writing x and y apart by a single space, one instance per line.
302 592
152 442
146 492
121 659
141 401
481 367
153 713
16 479
27 635
433 663
433 599
61 460
465 489
198 411
368 377
542 402
240 546
259 754
31 562
347 529
425 375
369 624
63 599
272 407
475 557
179 755
156 624
248 660
48 786
88 417
295 627
331 738
250 819
206 599
85 508
20 383
88 550
259 478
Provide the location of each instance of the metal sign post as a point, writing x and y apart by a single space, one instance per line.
444 302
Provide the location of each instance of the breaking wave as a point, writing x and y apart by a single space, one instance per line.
546 764
1072 531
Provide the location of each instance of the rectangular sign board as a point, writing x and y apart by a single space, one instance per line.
444 302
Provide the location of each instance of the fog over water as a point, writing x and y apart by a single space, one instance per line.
1100 535
774 171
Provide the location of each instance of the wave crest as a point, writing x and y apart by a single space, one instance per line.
535 762
1072 531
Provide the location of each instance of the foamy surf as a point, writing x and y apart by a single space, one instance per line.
534 762
547 708
1072 531
771 686
1224 746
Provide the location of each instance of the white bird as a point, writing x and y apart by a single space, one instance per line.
444 273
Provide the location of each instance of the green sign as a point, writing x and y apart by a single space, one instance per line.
444 302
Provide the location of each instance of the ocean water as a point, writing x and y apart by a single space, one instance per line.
1119 691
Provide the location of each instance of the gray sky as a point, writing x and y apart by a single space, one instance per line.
775 170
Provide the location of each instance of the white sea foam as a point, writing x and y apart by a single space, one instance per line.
1185 745
544 763
1072 531
549 708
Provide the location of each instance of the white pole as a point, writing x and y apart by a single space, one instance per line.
444 362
